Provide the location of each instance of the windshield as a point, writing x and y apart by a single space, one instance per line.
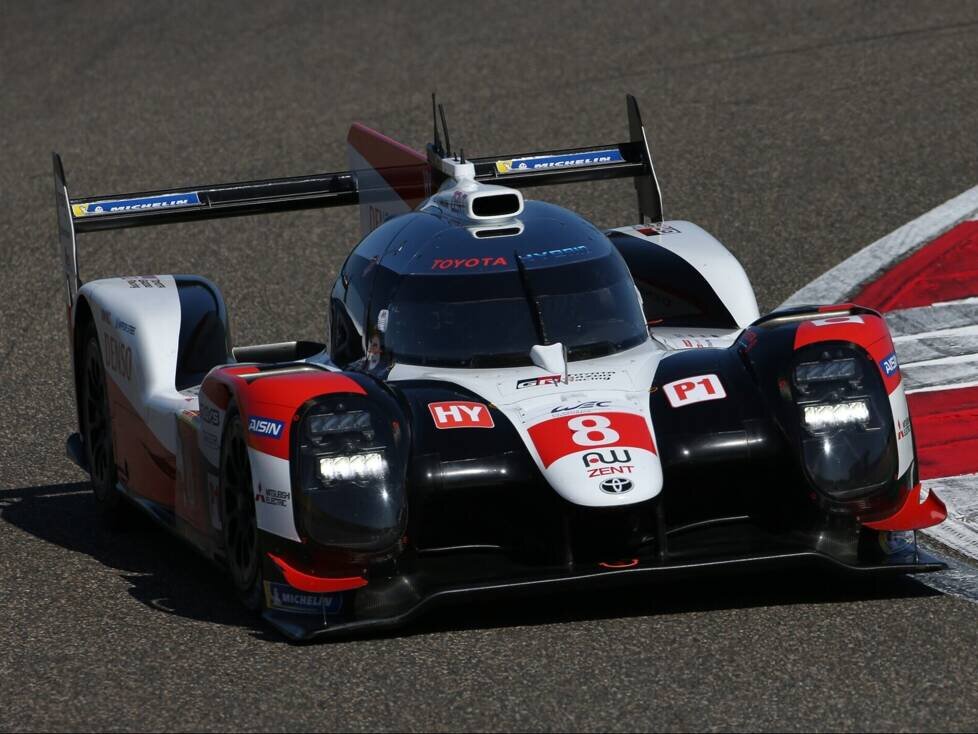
491 319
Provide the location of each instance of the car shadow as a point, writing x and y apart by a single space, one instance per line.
162 571
168 575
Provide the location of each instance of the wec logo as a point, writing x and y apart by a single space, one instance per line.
588 405
265 427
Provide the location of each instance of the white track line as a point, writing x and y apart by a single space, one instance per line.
950 359
924 350
845 278
932 318
939 334
921 378
935 388
970 299
961 499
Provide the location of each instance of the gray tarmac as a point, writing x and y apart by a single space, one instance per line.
796 133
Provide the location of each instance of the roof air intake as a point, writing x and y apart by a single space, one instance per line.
496 205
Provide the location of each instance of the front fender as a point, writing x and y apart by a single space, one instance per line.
271 403
866 471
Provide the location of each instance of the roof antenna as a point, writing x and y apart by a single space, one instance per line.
434 119
444 125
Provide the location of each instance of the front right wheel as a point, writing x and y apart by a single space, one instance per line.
241 541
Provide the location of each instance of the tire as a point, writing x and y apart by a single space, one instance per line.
96 430
242 545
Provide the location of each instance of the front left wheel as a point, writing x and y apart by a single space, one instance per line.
241 541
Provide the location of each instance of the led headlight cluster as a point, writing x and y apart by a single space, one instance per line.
828 370
831 390
324 425
819 417
846 432
358 467
349 473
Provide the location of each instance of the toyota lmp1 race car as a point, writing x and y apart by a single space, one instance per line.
510 400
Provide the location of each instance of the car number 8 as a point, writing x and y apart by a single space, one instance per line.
592 430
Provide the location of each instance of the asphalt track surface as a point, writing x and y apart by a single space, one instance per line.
796 133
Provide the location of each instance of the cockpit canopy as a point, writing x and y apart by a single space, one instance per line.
460 298
493 319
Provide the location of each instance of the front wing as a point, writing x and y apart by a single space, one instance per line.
468 577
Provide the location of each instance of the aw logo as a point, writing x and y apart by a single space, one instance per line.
606 457
265 427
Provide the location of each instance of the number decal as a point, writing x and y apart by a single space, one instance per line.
559 437
592 430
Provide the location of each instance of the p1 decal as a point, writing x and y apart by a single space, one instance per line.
267 427
459 414
559 437
696 389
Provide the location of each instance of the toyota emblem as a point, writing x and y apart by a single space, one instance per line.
616 485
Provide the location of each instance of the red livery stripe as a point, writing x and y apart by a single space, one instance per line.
914 514
946 423
316 584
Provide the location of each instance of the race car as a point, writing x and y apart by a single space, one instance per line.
508 399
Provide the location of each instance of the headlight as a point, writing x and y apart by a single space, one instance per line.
357 467
326 424
825 371
349 472
820 417
846 433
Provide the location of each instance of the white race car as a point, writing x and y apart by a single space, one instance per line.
509 399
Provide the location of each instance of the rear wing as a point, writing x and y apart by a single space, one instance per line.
186 204
384 171
630 159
